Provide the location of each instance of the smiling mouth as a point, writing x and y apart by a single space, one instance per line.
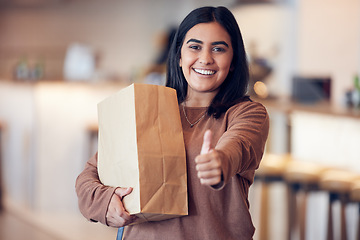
204 72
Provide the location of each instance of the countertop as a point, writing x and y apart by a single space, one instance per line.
287 106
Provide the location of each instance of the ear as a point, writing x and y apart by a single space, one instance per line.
180 63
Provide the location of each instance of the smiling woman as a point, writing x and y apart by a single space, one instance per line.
224 134
205 59
211 35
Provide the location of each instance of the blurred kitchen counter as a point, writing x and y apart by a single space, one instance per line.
287 106
86 84
45 145
321 132
45 142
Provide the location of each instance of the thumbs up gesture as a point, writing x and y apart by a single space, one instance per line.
208 163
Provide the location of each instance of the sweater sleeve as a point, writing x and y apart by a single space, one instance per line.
243 143
93 196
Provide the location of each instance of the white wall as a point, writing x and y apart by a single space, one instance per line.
17 113
328 42
271 28
63 113
46 142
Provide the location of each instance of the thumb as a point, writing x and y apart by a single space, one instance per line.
206 142
122 192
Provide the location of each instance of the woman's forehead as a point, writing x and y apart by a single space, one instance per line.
211 31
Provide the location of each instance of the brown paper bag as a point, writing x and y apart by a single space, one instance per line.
141 146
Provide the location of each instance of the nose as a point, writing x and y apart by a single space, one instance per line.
206 58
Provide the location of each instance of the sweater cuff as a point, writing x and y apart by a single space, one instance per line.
220 185
106 201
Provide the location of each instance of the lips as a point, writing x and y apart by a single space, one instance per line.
204 71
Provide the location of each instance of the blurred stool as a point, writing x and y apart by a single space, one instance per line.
355 197
301 178
92 132
338 183
271 170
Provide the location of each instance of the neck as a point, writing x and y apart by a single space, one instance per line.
199 100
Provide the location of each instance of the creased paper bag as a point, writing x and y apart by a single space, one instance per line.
141 146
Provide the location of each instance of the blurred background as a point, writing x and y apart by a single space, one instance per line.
59 58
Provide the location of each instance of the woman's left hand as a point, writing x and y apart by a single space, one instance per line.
208 163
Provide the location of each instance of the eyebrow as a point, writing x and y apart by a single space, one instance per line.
214 43
219 43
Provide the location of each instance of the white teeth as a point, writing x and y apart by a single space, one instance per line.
204 72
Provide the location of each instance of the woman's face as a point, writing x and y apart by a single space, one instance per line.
206 57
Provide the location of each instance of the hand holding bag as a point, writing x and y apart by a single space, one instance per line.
141 146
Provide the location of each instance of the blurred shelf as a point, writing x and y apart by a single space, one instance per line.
288 106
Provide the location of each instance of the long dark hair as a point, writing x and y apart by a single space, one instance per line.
234 87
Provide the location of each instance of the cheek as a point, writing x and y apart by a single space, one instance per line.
226 64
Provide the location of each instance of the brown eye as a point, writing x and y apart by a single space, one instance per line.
195 47
218 49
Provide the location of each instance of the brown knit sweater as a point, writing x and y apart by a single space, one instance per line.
240 135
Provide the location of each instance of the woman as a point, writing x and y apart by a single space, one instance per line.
208 68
